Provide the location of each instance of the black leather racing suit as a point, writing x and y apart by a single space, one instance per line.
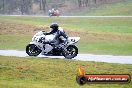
58 32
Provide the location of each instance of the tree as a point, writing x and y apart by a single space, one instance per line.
79 3
25 6
2 6
95 1
44 5
83 3
86 2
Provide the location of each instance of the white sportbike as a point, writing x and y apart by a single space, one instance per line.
62 46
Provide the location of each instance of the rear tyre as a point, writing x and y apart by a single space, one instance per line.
70 52
32 50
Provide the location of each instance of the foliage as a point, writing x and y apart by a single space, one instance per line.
33 7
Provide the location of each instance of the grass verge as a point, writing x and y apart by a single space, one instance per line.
105 25
30 72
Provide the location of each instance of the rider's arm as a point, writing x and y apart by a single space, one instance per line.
64 35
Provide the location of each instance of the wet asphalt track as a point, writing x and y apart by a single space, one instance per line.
80 57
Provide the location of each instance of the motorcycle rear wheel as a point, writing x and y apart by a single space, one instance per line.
33 50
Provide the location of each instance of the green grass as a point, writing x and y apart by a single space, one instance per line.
29 72
106 47
114 25
123 8
17 42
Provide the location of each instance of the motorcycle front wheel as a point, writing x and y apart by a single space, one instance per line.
70 52
32 50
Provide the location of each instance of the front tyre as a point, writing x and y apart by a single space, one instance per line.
70 52
32 50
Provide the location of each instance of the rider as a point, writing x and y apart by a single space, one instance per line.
58 31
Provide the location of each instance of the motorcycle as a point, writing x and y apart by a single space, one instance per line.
63 47
54 13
